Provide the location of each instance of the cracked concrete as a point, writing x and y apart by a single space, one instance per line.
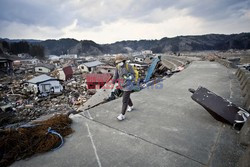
166 128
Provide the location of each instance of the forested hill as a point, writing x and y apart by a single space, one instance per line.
175 44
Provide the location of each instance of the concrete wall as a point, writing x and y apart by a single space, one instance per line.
244 78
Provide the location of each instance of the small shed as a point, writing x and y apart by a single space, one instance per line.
89 66
44 84
44 68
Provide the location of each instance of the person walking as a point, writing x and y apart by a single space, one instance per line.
124 75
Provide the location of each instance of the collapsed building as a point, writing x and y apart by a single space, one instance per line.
63 74
44 68
43 85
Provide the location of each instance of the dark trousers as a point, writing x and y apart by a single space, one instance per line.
126 101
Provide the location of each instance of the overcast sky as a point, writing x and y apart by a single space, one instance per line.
106 21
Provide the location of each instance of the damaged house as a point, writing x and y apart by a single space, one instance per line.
6 63
44 84
44 68
89 66
65 73
97 81
33 61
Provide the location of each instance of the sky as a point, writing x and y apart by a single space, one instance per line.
108 21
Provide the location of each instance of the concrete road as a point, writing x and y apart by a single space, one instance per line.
166 128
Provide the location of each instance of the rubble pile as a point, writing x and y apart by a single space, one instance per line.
19 106
141 72
37 137
61 86
161 70
210 57
75 90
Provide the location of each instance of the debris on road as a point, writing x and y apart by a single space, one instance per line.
36 137
221 109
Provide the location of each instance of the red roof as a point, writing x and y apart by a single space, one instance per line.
98 77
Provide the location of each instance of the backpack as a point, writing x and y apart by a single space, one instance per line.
135 71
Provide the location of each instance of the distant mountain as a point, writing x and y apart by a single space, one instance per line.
190 43
58 47
87 47
175 44
123 46
19 40
204 42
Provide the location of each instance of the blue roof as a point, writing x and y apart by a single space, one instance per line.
40 78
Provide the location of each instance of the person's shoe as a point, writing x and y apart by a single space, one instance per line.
121 117
130 108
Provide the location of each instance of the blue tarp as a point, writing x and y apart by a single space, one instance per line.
151 69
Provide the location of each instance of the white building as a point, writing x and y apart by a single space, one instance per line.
29 61
90 58
69 56
44 84
44 68
145 52
89 66
54 58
